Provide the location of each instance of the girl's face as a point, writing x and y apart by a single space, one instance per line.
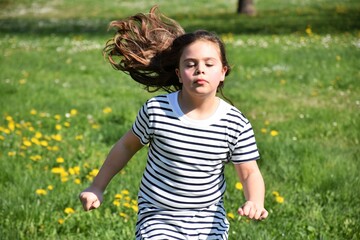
200 68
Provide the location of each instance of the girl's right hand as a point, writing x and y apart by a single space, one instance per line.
91 198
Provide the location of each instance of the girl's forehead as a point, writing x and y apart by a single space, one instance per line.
201 46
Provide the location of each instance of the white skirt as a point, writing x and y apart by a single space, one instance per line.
206 223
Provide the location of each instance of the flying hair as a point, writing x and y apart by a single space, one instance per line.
138 45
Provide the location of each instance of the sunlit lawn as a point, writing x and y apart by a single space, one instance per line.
62 107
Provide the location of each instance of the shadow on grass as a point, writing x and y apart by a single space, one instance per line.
321 21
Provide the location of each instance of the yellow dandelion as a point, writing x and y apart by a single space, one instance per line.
2 137
77 181
127 205
27 143
53 148
125 192
73 112
135 208
58 127
33 112
35 158
22 81
274 133
11 126
61 221
116 203
267 122
118 196
94 172
57 170
79 137
35 141
57 117
38 135
66 124
60 160
44 143
50 187
11 154
41 191
107 110
279 199
9 118
275 193
57 137
64 179
124 215
69 210
6 131
264 130
95 126
231 215
76 170
308 31
238 186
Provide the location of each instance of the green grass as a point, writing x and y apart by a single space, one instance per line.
305 86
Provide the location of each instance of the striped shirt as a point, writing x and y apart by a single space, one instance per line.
186 157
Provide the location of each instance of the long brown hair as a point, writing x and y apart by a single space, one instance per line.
148 47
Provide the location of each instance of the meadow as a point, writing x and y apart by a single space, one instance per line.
295 75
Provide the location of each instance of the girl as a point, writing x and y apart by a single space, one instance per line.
191 132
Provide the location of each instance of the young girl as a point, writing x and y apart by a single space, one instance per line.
191 132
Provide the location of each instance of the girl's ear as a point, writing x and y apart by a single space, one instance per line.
224 70
178 74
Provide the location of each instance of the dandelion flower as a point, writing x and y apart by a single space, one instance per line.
238 186
116 203
125 192
66 124
61 221
73 112
231 215
57 117
50 187
274 133
124 215
69 210
11 154
33 112
57 137
2 137
279 199
79 137
135 208
41 191
77 181
264 130
27 143
58 127
107 110
275 194
118 196
60 160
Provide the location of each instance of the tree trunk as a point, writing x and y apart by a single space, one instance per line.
246 7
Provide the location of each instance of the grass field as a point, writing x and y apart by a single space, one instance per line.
295 76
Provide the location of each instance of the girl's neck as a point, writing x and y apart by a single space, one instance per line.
198 108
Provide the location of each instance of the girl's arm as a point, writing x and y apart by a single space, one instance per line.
254 190
118 157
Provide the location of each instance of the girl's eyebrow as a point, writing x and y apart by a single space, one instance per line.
195 59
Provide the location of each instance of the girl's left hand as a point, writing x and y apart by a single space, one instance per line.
253 211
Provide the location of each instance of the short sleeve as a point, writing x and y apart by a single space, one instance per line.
141 126
245 148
